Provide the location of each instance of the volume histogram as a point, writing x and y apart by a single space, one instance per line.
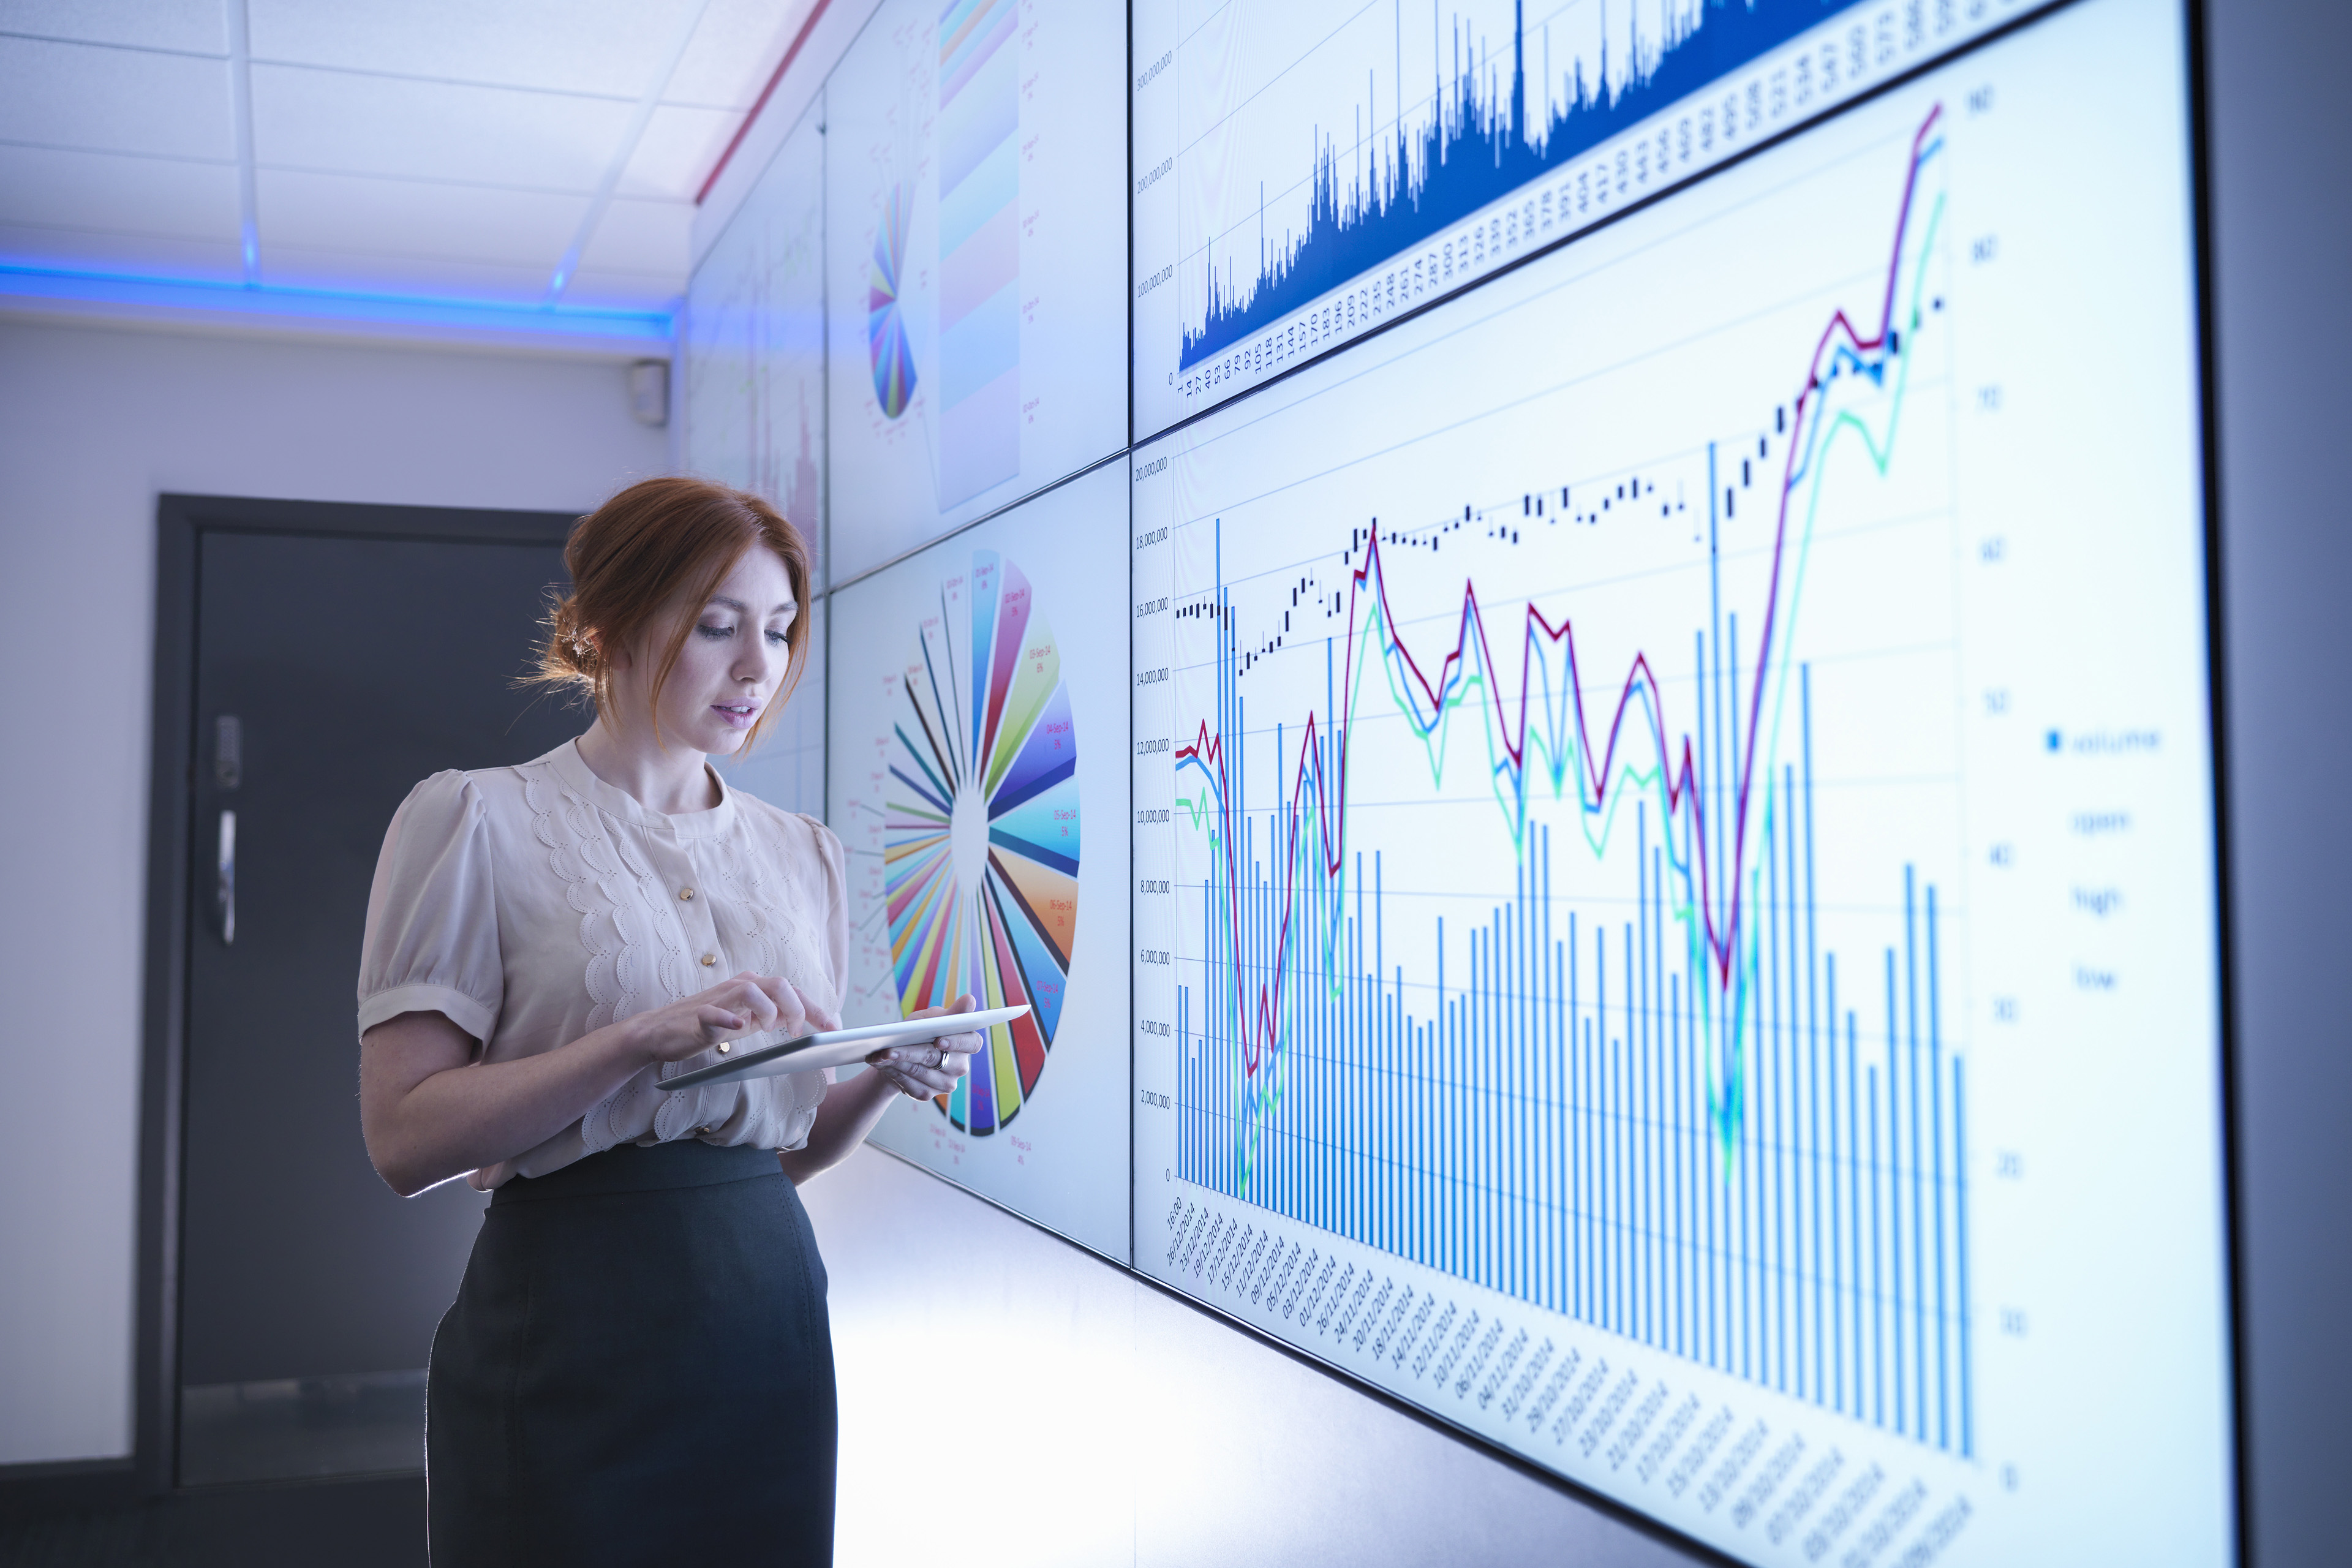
1621 962
1306 172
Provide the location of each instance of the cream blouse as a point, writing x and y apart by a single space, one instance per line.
534 904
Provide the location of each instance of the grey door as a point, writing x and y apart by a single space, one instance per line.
333 673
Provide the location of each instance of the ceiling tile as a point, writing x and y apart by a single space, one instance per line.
641 236
201 25
595 290
340 271
376 125
114 100
137 256
610 46
368 216
735 50
108 191
675 154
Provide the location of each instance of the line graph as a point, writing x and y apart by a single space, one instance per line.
1397 156
1705 1176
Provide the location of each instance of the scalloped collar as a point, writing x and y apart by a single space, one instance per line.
577 776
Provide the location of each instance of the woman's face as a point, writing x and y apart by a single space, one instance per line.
732 663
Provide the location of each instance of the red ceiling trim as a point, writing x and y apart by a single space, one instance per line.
791 53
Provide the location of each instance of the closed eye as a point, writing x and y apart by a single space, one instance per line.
714 633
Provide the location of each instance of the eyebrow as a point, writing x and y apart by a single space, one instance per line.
739 605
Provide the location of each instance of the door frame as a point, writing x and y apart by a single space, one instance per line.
174 754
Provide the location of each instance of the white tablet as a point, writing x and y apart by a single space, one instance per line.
839 1047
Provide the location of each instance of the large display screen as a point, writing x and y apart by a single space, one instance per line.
1676 923
980 778
1308 172
976 244
752 407
1606 807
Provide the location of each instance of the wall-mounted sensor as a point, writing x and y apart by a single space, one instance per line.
649 391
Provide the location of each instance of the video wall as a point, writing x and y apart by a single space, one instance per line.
1585 722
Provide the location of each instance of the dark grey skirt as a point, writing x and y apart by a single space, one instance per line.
637 1370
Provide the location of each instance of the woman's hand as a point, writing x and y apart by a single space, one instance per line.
430 1112
853 1106
747 1004
922 1072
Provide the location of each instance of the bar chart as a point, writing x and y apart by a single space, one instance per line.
1307 173
1557 1128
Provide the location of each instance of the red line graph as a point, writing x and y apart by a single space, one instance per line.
1840 337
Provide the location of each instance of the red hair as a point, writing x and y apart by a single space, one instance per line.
660 547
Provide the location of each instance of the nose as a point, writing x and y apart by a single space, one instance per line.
758 661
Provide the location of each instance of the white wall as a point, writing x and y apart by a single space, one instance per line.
93 423
1008 1398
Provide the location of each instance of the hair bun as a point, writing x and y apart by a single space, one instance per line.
568 658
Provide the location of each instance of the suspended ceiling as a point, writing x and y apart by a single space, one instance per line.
513 154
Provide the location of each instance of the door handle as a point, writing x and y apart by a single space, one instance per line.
225 885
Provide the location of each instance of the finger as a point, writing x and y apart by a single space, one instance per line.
718 1022
966 1003
747 998
909 1083
790 1005
773 985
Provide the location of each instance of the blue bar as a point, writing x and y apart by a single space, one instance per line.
1769 1037
1838 1217
1877 1307
1812 1031
1936 1118
1580 1154
1652 1223
1911 1087
1960 1199
1787 1120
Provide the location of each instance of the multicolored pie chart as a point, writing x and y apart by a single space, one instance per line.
980 828
886 326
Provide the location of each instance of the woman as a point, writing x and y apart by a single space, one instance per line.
637 1366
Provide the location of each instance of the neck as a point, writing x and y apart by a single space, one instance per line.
672 782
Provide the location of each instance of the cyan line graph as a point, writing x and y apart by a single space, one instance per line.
1677 1125
1475 145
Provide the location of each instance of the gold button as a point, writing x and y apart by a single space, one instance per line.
723 1048
685 893
702 1131
709 959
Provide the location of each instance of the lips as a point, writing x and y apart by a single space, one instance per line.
736 715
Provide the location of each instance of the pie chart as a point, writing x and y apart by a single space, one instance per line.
980 828
886 326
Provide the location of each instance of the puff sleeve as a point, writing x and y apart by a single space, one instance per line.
432 941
